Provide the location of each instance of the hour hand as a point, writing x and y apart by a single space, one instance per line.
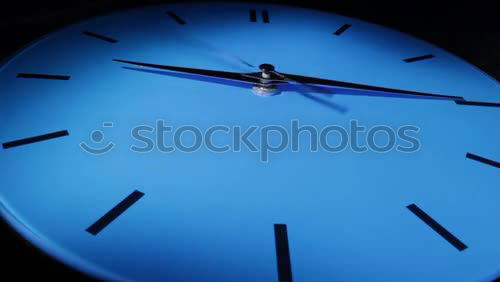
269 78
370 90
201 72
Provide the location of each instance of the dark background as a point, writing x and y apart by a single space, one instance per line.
468 29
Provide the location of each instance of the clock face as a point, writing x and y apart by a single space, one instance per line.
183 161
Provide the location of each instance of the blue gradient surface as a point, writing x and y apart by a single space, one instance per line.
208 216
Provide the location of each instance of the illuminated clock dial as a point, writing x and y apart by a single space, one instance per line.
245 142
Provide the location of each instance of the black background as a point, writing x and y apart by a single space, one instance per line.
468 29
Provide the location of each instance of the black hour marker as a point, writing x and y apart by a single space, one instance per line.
253 15
265 16
419 58
99 36
483 104
282 253
43 76
483 160
115 212
437 227
176 17
342 29
35 139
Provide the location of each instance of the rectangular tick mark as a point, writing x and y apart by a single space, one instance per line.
115 212
265 16
175 17
419 58
35 139
483 160
43 76
99 36
253 15
437 227
342 29
282 253
482 104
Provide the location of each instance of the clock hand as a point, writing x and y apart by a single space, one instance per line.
247 78
370 88
269 77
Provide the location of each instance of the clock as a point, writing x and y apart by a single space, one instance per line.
251 142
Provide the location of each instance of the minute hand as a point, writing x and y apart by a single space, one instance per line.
200 72
370 88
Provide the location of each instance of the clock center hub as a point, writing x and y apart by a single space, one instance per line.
266 69
266 87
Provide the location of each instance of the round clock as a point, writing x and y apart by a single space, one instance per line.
250 142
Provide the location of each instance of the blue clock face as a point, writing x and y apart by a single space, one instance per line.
245 142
